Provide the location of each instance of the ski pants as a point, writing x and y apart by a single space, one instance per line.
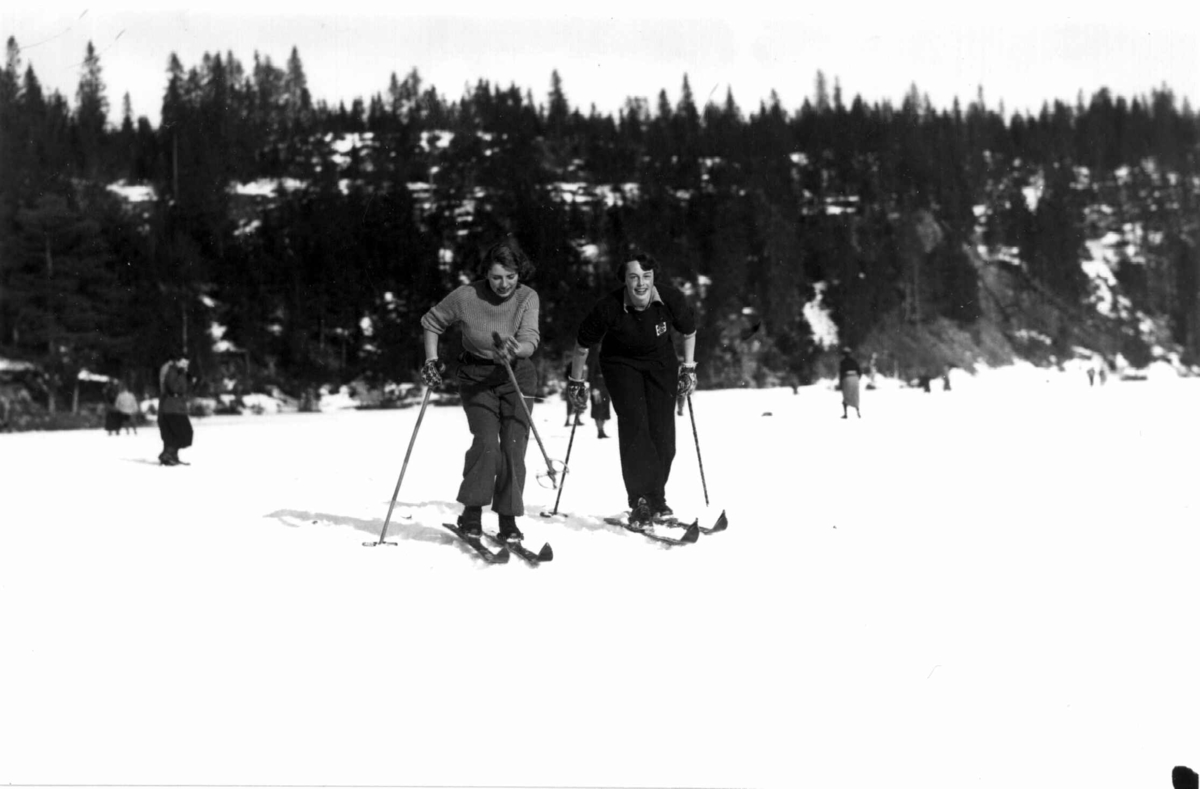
644 400
494 467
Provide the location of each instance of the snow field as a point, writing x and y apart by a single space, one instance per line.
992 585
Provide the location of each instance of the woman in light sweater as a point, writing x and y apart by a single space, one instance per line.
497 304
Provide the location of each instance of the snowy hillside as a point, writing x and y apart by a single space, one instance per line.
993 587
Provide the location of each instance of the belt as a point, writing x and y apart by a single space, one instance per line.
469 358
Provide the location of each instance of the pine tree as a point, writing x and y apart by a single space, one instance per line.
91 115
557 110
297 100
11 131
64 289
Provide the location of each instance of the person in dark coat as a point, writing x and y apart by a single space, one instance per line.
633 325
495 304
849 374
174 425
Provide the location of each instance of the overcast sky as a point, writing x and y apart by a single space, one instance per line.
1021 52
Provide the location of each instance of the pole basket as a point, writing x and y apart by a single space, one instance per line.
551 477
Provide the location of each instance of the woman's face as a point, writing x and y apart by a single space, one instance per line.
638 283
503 281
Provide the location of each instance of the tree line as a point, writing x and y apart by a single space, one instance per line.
380 207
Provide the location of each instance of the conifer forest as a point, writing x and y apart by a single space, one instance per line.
283 242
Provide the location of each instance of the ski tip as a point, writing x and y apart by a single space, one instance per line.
500 556
546 553
722 523
692 534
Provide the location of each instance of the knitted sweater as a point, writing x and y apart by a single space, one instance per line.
479 312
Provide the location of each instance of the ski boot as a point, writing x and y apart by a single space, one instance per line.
640 518
508 529
470 522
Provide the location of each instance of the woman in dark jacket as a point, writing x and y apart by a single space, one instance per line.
173 423
634 327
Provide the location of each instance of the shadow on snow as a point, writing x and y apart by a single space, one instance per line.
401 526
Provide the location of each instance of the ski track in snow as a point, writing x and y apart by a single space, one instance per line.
993 587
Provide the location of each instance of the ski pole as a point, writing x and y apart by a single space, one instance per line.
407 455
696 438
521 397
558 498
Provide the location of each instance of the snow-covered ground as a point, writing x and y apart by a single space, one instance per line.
991 587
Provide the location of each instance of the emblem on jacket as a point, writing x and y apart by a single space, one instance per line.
660 329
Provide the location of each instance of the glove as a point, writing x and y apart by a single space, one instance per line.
577 395
687 380
431 373
506 349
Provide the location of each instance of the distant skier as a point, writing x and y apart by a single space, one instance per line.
643 375
849 374
174 425
494 469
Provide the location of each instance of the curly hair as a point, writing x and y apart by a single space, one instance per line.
647 262
508 253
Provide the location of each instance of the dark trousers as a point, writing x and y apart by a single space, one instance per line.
494 467
644 401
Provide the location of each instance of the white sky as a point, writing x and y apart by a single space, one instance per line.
1023 55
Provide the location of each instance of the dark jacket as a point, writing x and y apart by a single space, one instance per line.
640 339
173 388
847 366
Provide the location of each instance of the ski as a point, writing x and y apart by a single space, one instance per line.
690 535
721 525
499 557
670 521
546 554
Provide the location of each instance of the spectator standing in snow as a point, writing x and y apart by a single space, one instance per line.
174 425
497 303
633 325
126 406
849 374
